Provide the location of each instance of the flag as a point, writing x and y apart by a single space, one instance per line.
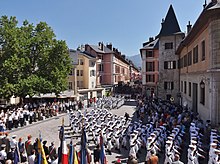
64 152
75 158
61 135
71 152
41 154
102 152
16 156
83 154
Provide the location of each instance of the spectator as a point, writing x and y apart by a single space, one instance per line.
177 159
96 154
31 158
153 158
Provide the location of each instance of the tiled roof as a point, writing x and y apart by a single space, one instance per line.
170 25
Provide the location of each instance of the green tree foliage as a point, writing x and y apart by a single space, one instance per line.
32 61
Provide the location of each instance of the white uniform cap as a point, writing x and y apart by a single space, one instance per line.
213 144
168 142
193 141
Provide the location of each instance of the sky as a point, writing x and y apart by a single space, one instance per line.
124 23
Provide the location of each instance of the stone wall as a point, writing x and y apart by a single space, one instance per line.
169 75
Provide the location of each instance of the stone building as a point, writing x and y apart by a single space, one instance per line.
164 69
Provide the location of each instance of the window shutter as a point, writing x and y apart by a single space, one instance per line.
165 65
172 85
165 85
174 64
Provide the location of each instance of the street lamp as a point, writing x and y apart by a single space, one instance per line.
202 84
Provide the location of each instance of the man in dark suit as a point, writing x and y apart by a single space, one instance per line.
96 154
52 151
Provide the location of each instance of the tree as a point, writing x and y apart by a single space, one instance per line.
32 61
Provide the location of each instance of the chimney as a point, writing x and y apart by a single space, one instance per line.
101 46
109 46
162 22
151 39
205 4
189 27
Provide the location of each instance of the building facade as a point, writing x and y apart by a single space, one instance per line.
160 72
112 67
200 64
83 77
150 67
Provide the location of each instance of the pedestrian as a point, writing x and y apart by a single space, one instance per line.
46 149
177 159
126 117
52 151
29 146
32 157
118 161
96 154
3 154
153 158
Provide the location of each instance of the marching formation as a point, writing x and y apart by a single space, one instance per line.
110 102
158 132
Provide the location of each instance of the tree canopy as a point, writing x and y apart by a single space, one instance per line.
32 60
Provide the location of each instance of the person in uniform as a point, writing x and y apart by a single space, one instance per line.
13 142
176 159
3 154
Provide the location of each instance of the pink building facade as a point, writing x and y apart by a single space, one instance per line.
112 67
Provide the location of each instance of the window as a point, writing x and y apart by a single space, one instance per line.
168 46
190 89
203 50
181 86
81 72
92 73
70 85
72 72
185 61
202 93
185 87
91 64
190 58
149 66
92 84
123 71
101 68
149 53
170 65
81 61
168 85
77 72
117 69
150 78
195 55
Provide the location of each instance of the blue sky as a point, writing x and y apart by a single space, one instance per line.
124 23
